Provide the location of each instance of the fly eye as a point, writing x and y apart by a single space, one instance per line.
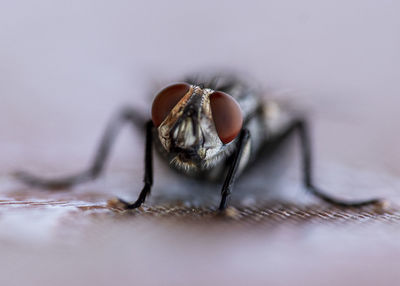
166 100
227 115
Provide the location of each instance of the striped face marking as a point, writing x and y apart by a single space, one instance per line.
166 100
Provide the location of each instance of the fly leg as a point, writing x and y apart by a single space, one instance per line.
95 169
148 175
300 127
232 172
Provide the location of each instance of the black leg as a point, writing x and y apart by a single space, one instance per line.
148 175
231 176
300 126
100 158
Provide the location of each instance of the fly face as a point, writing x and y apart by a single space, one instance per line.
193 124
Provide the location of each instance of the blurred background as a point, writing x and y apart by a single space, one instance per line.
67 66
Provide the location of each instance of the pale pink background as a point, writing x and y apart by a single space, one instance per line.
66 66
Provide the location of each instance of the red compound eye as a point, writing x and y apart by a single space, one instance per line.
227 115
166 100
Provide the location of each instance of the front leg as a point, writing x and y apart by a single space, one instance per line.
232 173
148 175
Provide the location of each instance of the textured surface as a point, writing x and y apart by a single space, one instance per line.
65 67
79 239
276 213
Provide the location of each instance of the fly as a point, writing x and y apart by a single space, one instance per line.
208 128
